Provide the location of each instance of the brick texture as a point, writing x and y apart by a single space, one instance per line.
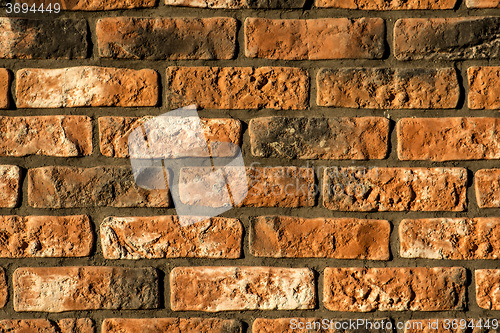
180 38
487 185
4 293
5 79
333 38
483 87
311 325
397 289
96 5
69 325
10 185
238 4
214 289
483 3
190 325
487 284
58 289
386 5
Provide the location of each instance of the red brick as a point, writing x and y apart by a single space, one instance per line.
95 5
86 86
448 139
484 92
5 79
320 325
388 88
164 237
65 187
386 5
10 185
114 134
267 187
69 325
167 38
45 236
320 138
340 238
483 3
395 189
488 288
184 325
394 289
214 289
238 4
487 183
331 38
62 136
238 87
57 289
450 238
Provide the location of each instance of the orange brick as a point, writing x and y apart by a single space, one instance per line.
69 325
153 325
487 184
484 92
487 287
483 3
5 79
95 5
386 5
10 185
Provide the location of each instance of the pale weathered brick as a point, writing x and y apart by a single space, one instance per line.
68 325
484 91
5 79
395 189
167 38
165 237
340 238
57 289
487 183
330 38
45 236
387 5
394 289
319 138
65 187
238 87
10 185
448 139
483 3
388 88
214 289
62 136
184 325
319 325
487 288
86 86
450 238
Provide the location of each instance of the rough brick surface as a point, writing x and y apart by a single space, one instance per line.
238 87
4 88
86 86
164 237
332 38
69 325
484 92
10 185
4 293
487 288
57 289
388 88
483 3
313 325
114 135
450 238
386 5
293 237
394 289
64 187
487 184
45 236
448 139
95 5
447 38
395 189
215 289
153 325
34 39
167 38
319 138
63 136
238 4
446 325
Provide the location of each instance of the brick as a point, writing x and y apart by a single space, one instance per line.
45 236
69 325
58 289
320 325
34 39
447 38
10 186
331 38
167 38
339 238
395 289
238 87
450 238
185 325
487 183
487 288
65 187
164 237
95 5
388 88
4 293
448 139
214 289
386 5
5 79
447 325
483 87
395 189
62 136
114 134
86 86
267 187
359 138
239 4
483 3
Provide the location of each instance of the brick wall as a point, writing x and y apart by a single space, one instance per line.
381 115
